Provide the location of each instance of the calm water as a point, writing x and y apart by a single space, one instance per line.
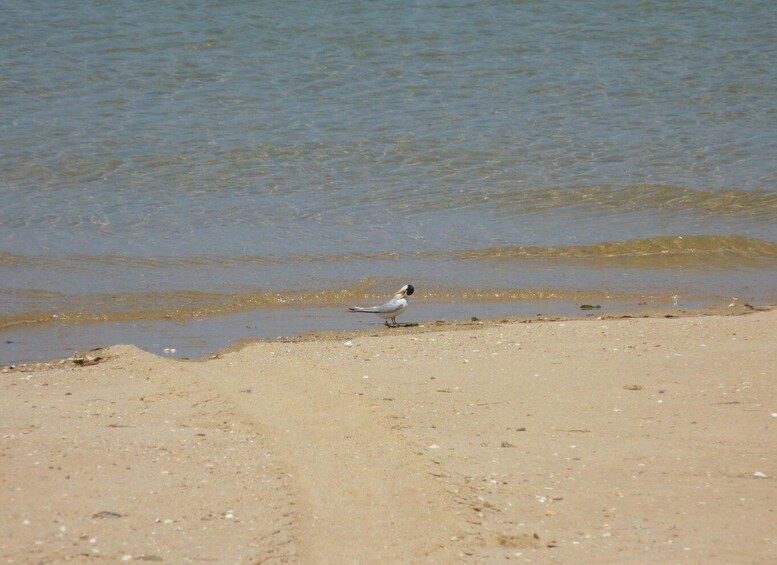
184 174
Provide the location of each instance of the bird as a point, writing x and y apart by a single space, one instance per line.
391 309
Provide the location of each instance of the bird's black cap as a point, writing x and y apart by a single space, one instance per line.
410 290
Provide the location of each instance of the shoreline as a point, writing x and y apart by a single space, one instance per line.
611 438
734 308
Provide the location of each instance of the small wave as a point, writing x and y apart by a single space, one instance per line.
722 251
509 201
700 248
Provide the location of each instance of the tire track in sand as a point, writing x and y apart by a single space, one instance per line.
363 495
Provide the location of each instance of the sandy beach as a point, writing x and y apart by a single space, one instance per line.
597 440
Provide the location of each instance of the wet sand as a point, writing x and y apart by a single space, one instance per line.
612 440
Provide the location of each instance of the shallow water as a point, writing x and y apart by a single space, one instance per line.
185 161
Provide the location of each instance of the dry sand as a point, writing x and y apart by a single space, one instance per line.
576 441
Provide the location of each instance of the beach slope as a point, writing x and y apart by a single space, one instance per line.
620 440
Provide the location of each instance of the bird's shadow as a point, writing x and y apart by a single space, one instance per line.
402 325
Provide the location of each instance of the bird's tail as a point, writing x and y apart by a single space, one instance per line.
360 310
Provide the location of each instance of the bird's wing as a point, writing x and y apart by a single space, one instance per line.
387 308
